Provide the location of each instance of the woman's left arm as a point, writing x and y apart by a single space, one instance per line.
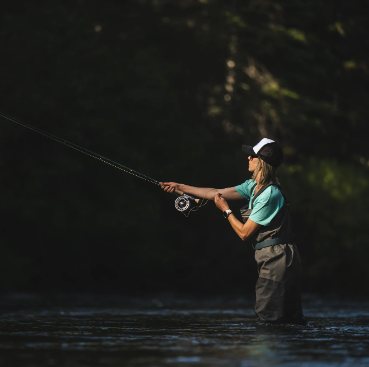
244 231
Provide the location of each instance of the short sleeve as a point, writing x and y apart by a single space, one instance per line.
266 206
245 189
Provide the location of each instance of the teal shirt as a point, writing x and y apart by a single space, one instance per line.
266 205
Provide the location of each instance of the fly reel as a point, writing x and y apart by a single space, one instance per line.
185 203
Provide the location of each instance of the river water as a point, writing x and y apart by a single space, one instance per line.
173 330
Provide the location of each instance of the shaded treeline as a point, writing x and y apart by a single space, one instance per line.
172 89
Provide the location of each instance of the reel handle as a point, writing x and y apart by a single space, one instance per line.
180 193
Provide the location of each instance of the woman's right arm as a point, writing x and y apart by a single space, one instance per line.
229 193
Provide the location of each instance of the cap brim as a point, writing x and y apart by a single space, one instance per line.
248 150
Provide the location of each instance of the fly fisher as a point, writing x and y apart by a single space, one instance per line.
267 225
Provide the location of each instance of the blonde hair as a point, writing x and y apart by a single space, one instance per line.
268 173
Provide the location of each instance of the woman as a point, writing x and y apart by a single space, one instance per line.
267 224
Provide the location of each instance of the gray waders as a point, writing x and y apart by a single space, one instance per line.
278 298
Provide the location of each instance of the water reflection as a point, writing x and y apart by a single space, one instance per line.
171 331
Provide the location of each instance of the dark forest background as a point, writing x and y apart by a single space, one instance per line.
173 89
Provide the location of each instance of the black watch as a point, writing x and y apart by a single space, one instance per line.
226 213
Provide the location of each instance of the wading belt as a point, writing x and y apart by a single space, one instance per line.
274 241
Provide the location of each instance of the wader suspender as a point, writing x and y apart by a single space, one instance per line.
273 241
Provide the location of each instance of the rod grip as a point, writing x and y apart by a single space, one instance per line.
179 192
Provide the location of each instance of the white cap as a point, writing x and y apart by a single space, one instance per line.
261 143
271 154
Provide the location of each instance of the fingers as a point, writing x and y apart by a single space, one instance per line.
168 186
218 200
168 189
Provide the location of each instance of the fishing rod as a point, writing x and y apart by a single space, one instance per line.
184 203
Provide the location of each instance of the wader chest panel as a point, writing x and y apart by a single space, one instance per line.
280 226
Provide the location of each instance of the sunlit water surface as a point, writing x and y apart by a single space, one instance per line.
176 331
